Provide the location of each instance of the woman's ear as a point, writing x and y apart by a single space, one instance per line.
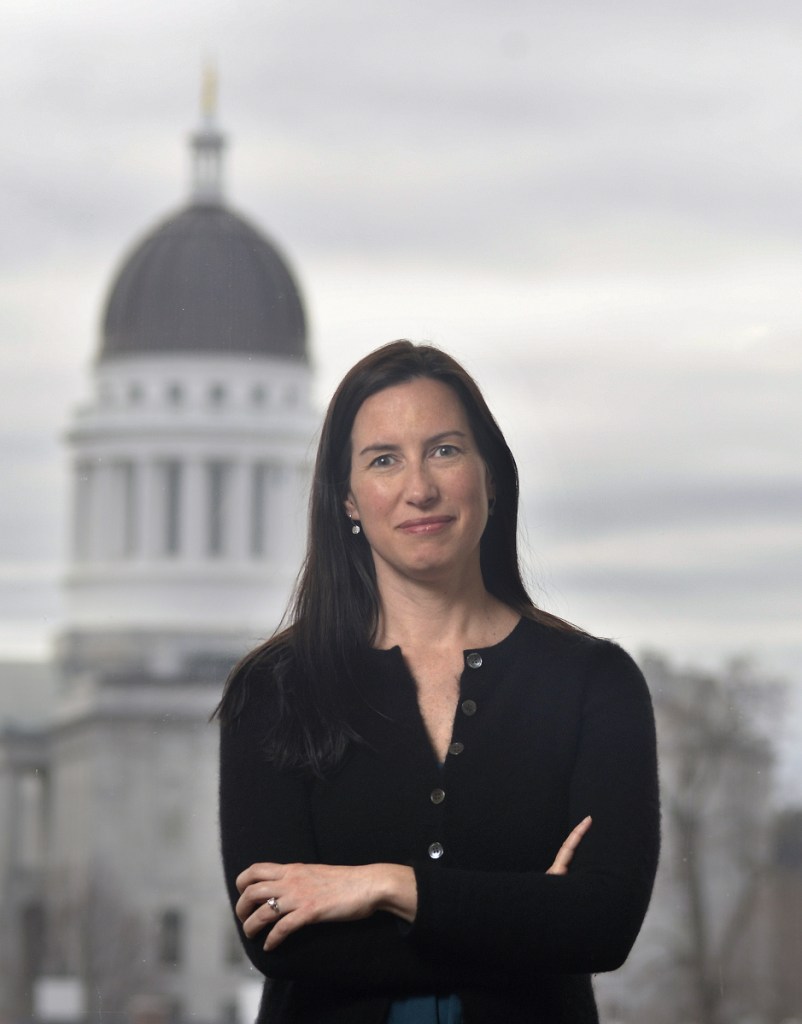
350 506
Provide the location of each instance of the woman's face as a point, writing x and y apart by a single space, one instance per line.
418 485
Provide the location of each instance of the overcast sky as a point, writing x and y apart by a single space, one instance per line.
595 206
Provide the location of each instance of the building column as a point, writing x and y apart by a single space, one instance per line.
81 509
103 511
238 512
195 511
281 523
149 511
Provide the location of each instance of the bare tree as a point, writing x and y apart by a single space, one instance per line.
95 934
717 754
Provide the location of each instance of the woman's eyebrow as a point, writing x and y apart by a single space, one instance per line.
379 447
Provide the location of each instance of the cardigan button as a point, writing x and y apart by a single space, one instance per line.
469 707
437 796
474 660
456 748
436 851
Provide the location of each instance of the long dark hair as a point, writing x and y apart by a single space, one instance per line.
333 614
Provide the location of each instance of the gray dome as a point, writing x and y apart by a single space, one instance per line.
204 281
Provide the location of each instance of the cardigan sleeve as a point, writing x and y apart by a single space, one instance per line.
587 920
472 926
264 816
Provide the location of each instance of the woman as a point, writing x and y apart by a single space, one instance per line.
400 765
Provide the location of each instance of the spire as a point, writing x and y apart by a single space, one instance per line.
209 92
207 146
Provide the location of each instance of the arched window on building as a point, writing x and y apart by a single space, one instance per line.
171 938
217 394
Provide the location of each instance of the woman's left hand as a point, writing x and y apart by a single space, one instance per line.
566 852
302 894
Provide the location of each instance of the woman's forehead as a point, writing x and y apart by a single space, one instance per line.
411 407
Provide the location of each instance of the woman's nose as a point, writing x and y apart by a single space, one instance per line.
421 486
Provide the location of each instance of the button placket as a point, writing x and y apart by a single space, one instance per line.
468 707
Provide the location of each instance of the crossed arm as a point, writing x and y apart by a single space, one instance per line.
285 897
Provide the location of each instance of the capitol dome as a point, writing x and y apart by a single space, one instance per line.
189 458
205 281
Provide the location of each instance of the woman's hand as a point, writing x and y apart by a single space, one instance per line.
566 852
285 897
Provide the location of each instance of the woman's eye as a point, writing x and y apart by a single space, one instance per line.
381 461
444 450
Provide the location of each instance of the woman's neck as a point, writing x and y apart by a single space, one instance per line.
413 615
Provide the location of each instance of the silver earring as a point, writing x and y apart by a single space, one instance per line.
355 527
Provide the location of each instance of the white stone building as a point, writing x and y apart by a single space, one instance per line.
189 466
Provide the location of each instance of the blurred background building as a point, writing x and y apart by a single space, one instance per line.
188 475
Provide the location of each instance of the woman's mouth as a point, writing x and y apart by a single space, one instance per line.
426 524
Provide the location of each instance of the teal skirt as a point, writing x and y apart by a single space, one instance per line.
426 1010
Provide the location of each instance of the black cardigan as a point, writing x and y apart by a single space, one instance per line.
550 726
